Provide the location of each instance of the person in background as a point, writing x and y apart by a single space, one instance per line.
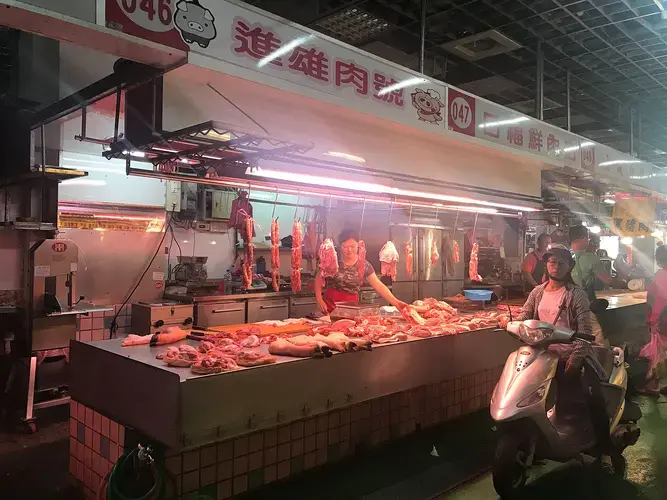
533 266
587 270
656 317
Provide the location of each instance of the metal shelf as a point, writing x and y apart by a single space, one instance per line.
207 145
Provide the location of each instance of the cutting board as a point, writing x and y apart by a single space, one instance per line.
265 330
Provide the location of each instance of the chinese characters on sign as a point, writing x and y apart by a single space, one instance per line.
260 43
633 217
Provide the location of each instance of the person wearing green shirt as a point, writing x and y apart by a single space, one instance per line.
587 269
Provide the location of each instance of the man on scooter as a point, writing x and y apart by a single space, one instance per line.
562 303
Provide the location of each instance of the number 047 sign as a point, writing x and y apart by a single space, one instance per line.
148 19
461 112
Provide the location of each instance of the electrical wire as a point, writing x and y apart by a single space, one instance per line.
114 323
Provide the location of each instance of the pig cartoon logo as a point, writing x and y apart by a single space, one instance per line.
428 105
196 23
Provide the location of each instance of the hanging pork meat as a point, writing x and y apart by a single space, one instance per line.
249 253
435 255
275 255
361 261
328 259
310 244
457 253
297 241
473 270
408 258
389 260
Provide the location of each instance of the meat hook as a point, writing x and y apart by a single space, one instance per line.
363 211
298 199
275 202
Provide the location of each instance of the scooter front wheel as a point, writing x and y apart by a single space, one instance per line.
510 470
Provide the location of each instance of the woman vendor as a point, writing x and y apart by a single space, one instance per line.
345 286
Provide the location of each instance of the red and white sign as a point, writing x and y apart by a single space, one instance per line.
461 112
59 247
148 19
588 158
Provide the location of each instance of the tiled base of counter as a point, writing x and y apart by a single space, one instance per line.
232 467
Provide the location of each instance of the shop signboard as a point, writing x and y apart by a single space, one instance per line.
489 122
313 64
633 216
148 19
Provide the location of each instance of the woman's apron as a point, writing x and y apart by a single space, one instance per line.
332 295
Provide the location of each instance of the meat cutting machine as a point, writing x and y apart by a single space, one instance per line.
51 308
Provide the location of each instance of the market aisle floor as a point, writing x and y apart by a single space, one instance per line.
645 479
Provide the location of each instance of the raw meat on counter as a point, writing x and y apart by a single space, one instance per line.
408 258
209 365
183 356
361 261
473 272
297 241
389 260
411 315
254 358
435 255
328 259
275 255
283 347
250 341
167 335
339 342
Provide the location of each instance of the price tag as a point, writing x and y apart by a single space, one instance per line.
152 15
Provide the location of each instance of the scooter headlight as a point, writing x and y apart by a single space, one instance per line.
534 336
534 397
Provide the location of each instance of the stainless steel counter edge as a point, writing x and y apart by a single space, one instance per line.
187 410
234 298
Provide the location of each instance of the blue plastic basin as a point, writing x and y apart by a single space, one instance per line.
478 295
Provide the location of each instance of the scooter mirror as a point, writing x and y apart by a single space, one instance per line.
599 305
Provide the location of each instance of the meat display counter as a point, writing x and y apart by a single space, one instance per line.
179 409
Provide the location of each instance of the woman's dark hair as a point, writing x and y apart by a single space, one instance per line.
348 234
661 256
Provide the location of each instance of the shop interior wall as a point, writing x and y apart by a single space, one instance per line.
85 10
386 146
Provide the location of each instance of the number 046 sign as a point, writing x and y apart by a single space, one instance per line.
148 19
461 112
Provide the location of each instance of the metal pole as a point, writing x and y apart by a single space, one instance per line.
568 100
423 38
639 135
632 131
539 83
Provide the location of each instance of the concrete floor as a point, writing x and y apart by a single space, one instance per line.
645 478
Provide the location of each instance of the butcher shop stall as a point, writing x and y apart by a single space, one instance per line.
214 195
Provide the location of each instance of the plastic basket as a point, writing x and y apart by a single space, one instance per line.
478 295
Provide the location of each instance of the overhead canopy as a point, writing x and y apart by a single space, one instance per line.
388 149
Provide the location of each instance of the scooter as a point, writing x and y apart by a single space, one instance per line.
538 418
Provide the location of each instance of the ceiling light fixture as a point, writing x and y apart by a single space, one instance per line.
402 84
345 156
285 49
618 162
596 229
499 123
368 187
610 201
627 240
